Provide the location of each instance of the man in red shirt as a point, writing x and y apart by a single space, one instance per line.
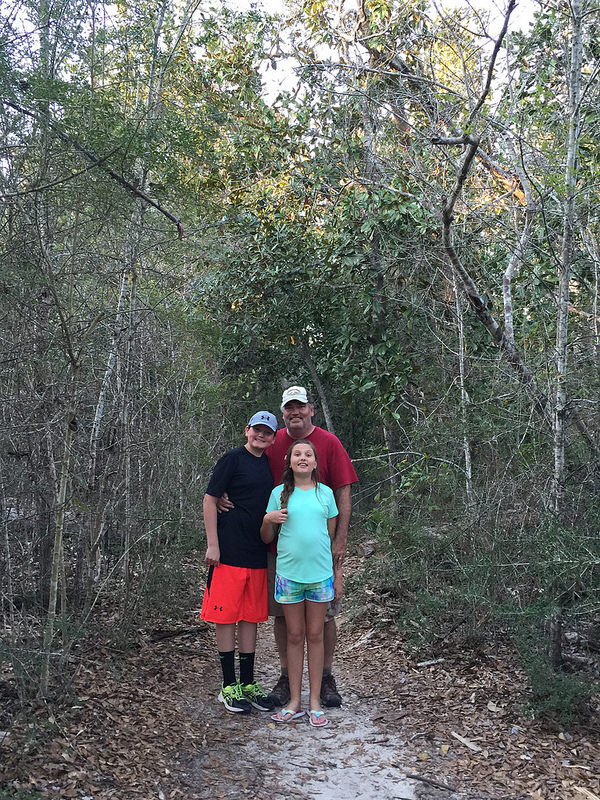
335 470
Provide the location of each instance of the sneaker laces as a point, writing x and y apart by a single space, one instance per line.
255 689
233 691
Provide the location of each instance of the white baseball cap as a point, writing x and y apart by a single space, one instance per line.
298 393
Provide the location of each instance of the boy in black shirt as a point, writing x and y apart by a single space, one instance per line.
236 588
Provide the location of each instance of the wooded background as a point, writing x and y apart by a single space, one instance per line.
394 203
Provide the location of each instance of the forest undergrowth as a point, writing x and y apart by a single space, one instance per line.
134 716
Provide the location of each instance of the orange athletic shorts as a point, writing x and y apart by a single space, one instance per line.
233 594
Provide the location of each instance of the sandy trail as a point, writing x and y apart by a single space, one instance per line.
357 756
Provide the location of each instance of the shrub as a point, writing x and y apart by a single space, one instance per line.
10 793
554 693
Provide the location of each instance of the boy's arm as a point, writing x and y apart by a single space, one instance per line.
209 508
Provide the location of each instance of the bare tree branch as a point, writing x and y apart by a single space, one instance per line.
491 66
96 161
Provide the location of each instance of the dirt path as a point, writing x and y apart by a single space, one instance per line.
149 725
146 725
356 757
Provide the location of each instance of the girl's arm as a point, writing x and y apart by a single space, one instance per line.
209 508
271 519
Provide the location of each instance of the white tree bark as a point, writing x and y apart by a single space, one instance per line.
516 260
562 333
464 396
318 386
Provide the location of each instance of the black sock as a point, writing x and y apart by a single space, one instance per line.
284 672
228 667
246 668
326 671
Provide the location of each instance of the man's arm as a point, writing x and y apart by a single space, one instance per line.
343 499
224 503
337 568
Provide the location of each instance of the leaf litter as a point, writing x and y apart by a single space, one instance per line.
149 726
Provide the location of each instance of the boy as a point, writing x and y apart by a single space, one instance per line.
235 596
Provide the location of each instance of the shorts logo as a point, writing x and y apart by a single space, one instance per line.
219 608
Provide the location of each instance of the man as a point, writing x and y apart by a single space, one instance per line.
335 470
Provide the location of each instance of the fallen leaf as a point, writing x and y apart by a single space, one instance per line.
467 742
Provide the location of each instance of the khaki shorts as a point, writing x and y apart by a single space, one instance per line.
276 609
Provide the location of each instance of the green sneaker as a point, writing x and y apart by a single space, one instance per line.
255 695
233 699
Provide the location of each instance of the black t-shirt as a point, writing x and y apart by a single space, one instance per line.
248 482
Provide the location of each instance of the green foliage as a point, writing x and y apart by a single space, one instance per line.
457 584
555 694
10 793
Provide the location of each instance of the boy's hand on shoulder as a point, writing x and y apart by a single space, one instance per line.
213 556
224 503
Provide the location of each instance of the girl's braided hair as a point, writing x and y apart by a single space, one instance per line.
288 475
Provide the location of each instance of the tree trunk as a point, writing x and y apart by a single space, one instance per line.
318 386
464 397
7 596
555 629
562 333
57 553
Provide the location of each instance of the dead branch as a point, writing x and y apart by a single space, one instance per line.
490 72
159 636
431 782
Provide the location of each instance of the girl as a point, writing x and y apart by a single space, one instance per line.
307 513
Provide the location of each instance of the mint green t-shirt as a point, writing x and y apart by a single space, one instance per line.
304 546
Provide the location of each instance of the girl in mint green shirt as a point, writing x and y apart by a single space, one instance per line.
306 512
